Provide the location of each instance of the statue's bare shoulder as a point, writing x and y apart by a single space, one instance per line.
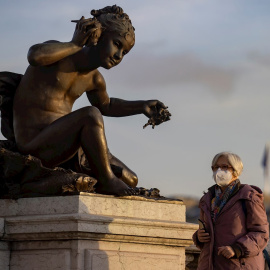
98 81
98 95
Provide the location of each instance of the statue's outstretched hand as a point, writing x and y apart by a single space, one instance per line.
157 113
86 31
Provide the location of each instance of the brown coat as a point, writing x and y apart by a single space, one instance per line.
247 233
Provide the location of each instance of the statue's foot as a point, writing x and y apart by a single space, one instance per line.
115 186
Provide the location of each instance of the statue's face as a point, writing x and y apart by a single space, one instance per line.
112 48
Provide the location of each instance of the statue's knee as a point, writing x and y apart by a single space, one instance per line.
129 178
134 180
93 115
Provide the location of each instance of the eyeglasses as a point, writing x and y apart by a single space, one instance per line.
222 167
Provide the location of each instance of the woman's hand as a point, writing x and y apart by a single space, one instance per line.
226 251
203 236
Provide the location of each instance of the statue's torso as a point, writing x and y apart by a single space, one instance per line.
45 94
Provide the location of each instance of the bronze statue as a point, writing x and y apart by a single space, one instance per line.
59 73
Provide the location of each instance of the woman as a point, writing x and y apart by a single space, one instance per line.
236 228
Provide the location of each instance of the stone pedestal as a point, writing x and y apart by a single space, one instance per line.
93 232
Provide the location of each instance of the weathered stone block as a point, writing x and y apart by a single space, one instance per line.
93 232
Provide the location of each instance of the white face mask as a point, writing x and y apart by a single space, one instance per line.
222 178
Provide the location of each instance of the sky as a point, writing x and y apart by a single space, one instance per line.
207 60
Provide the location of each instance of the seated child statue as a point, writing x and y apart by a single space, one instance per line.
60 72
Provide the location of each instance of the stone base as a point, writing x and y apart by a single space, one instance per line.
93 232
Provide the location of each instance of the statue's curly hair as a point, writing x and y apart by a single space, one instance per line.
114 19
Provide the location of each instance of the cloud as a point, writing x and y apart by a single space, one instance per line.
152 71
259 58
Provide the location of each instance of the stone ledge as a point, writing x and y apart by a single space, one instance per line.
85 226
96 204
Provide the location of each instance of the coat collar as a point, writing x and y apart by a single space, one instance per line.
241 192
208 196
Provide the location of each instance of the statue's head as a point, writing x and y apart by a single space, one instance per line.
113 19
117 37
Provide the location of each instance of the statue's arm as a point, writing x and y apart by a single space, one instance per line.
118 107
52 51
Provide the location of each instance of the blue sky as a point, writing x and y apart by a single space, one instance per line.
209 61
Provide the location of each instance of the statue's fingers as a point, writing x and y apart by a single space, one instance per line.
87 23
91 31
89 20
79 23
75 21
78 20
160 110
162 105
82 19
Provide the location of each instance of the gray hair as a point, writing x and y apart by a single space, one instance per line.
233 159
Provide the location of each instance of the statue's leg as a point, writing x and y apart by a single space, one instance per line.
61 140
128 176
118 168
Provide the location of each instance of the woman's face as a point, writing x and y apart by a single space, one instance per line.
112 48
223 163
